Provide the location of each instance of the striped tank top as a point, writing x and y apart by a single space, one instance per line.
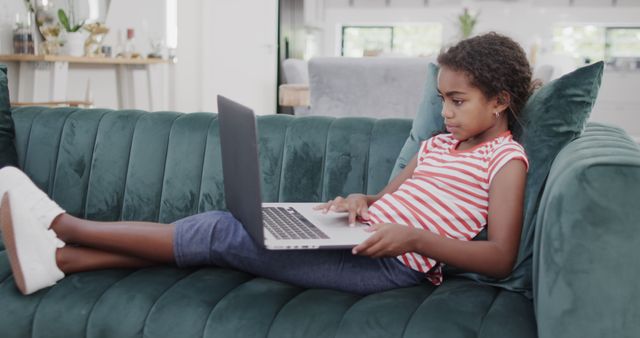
448 193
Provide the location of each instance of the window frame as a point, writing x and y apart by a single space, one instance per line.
607 40
344 27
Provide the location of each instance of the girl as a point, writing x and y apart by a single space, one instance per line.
458 183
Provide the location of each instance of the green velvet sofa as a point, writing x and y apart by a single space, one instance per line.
112 165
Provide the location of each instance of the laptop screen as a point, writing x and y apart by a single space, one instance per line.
240 165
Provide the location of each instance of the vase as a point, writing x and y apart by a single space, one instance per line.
74 43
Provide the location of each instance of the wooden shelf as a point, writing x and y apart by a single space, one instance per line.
76 59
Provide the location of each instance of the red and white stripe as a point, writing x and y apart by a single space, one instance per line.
448 193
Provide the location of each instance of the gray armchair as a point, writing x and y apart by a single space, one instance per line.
373 87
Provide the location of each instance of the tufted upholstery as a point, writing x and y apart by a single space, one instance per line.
132 165
111 165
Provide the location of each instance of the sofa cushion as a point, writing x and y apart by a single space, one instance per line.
221 302
552 117
7 148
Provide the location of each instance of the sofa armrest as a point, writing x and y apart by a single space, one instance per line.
587 240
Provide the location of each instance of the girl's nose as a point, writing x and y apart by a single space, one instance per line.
446 113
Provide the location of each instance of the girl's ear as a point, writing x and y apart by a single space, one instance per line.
503 100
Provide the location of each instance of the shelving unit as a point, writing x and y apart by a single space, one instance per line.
36 69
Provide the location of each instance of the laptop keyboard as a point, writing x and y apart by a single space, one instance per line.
287 223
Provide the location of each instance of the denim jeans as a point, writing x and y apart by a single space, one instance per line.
217 238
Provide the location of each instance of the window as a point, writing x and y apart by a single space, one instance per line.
366 41
407 40
592 43
622 42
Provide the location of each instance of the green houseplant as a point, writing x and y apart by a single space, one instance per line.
68 26
75 39
467 22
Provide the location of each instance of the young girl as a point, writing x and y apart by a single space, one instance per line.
457 184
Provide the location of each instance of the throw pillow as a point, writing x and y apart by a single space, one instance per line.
553 116
427 121
7 148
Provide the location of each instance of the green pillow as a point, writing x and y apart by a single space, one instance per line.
428 120
7 148
553 116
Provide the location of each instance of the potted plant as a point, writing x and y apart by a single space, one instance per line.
467 22
74 44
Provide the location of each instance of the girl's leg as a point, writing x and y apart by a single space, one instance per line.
150 242
217 238
77 259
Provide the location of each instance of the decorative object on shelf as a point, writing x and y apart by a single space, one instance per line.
29 24
157 47
106 51
74 38
129 49
467 22
51 35
48 27
22 35
93 44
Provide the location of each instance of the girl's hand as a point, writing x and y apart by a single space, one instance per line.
389 240
354 204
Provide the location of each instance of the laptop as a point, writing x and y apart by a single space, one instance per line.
276 226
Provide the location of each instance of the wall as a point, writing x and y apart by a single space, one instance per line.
239 53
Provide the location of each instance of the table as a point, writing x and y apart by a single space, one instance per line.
33 69
293 95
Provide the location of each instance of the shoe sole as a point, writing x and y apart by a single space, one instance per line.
6 221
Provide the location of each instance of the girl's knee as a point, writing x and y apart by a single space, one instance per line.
221 218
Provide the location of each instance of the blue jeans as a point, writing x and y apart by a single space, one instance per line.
217 238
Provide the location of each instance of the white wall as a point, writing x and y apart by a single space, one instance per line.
187 88
239 57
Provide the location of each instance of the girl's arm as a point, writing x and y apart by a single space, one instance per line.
357 204
494 257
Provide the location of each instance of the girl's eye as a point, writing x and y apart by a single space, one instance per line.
457 102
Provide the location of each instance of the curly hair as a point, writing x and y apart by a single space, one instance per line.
494 63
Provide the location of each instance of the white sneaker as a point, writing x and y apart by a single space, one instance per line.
13 178
30 245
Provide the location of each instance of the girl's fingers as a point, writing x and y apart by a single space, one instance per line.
363 211
337 204
325 207
320 206
375 250
352 217
372 228
366 244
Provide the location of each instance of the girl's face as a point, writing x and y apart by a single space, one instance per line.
468 114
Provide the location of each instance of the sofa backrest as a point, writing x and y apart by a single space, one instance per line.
372 87
111 165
